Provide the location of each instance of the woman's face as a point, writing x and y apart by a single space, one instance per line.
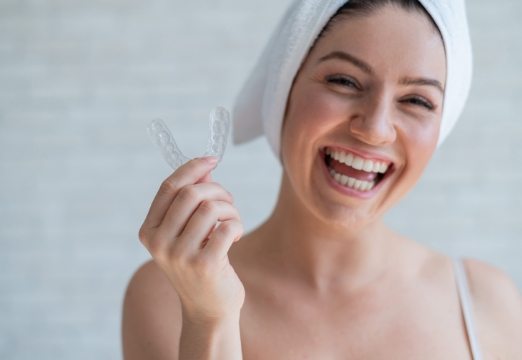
371 87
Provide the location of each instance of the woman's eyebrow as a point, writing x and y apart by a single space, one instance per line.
341 55
422 81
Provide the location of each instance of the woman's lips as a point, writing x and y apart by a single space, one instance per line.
359 159
342 184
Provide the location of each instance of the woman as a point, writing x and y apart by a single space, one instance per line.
323 278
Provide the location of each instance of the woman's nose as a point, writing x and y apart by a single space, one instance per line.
373 123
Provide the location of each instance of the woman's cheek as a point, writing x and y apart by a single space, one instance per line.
423 137
430 133
322 105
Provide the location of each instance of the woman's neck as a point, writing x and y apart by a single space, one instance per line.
320 254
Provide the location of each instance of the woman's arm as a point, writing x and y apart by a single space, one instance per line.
153 326
219 339
189 301
151 319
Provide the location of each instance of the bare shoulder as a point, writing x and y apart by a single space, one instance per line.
497 303
491 287
151 319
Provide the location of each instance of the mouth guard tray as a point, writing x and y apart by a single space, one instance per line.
219 125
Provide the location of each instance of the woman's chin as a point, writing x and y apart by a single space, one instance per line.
345 217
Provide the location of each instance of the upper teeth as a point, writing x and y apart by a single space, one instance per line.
357 162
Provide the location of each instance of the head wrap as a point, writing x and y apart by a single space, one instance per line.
261 103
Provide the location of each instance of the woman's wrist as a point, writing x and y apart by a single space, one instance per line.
198 318
210 324
210 338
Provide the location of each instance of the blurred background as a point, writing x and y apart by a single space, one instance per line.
79 82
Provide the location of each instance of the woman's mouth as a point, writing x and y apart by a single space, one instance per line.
353 172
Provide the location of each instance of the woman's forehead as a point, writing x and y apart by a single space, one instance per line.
388 39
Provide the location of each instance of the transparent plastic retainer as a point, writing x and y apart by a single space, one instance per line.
219 124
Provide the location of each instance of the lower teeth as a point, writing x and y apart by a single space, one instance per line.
351 182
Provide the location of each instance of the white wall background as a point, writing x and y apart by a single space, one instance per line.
79 81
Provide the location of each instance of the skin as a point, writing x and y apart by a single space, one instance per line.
324 277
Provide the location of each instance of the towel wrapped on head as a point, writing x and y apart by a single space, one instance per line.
261 103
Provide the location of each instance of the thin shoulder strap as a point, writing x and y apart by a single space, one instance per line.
467 308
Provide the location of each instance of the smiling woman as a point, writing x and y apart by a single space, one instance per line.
354 99
379 118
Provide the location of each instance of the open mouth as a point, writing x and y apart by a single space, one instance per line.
351 171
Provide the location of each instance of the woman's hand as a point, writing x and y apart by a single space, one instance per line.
189 229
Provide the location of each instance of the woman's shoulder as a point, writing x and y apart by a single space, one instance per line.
150 282
491 286
497 304
151 318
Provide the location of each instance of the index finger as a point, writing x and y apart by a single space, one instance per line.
189 173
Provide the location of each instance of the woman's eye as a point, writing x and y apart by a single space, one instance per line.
421 102
343 81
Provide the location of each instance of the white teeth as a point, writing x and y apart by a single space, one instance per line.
351 182
357 162
368 166
344 180
349 159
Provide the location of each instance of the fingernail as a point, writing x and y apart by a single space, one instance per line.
209 159
212 159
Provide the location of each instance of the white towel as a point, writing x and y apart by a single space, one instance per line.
260 105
